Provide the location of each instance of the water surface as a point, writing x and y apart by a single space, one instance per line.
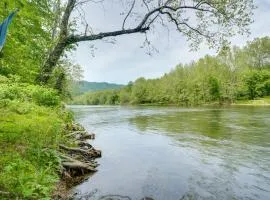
176 153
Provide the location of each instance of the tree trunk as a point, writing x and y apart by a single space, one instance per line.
58 50
50 63
47 68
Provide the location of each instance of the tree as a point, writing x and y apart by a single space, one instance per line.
221 78
139 91
258 52
198 20
28 38
214 89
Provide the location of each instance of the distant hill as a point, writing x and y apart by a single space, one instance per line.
85 86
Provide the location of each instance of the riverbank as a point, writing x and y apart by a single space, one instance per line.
77 160
38 156
256 102
265 101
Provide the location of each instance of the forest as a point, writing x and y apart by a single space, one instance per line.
235 74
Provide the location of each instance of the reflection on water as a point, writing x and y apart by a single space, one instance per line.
120 197
175 153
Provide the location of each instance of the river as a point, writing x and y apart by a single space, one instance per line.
169 153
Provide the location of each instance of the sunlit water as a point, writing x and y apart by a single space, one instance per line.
175 153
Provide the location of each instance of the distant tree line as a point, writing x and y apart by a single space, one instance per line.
234 74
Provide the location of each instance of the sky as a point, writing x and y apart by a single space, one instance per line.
122 59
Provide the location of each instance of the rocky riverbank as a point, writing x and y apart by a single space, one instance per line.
77 160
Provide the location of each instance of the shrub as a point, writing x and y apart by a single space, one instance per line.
24 92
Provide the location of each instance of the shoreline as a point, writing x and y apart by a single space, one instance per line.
184 106
78 160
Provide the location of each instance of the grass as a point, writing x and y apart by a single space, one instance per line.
29 137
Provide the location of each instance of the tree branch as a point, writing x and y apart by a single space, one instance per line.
79 3
141 28
80 38
130 10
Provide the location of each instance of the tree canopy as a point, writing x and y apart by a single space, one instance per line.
44 30
234 74
212 21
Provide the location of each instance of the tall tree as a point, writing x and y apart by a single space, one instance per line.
198 20
258 53
28 39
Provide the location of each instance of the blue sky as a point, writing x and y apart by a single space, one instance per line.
126 61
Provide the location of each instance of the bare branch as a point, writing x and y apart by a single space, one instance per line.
177 24
79 3
153 20
143 25
80 38
187 7
146 5
130 10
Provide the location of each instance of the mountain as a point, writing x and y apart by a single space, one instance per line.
85 86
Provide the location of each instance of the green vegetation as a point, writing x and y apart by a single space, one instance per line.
81 87
233 76
36 77
255 102
32 117
31 127
28 38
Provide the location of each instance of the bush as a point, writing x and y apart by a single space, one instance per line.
32 125
45 97
257 83
29 137
26 180
24 92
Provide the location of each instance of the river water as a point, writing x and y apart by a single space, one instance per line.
168 153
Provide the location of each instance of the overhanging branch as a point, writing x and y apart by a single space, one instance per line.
80 38
143 25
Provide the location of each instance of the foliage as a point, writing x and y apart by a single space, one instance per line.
31 128
257 83
21 91
32 118
225 78
28 38
212 22
108 97
81 87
